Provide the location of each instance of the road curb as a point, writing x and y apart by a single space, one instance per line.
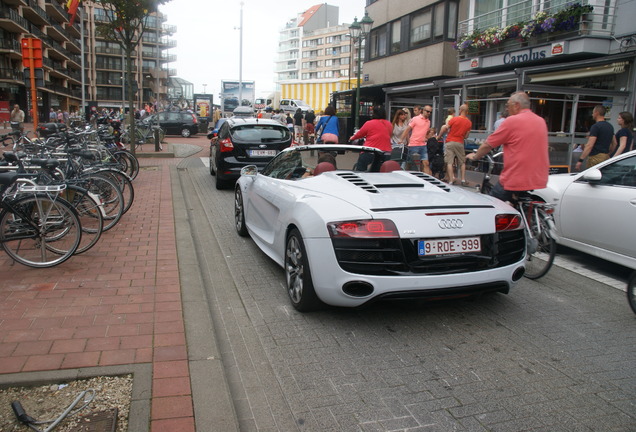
211 396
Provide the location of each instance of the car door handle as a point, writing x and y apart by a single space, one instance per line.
633 202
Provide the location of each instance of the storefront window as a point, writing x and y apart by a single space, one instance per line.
486 102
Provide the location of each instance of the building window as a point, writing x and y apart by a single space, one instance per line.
378 42
421 28
438 21
451 20
396 30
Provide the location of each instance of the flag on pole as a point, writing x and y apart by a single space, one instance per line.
72 6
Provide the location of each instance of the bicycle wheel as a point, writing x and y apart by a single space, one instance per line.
128 163
38 231
111 198
123 181
541 248
87 205
631 291
125 137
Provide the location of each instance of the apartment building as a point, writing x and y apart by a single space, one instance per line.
48 21
315 56
104 63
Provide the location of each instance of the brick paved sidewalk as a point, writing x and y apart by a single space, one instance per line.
117 304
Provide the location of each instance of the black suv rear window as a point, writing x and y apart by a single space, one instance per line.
260 133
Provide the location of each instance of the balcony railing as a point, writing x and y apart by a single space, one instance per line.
10 44
10 74
12 15
169 29
34 5
56 6
524 23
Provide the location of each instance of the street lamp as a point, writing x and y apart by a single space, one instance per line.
359 31
204 86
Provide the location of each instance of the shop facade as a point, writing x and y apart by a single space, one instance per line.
566 74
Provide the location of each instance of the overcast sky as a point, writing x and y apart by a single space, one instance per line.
208 38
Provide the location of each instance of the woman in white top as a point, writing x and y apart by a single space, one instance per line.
400 123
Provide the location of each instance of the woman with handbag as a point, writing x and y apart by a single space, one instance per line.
327 129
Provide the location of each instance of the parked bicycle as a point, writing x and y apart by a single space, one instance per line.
145 133
37 227
537 219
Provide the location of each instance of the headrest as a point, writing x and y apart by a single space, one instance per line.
323 167
390 166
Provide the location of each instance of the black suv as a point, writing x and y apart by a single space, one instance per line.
175 123
245 141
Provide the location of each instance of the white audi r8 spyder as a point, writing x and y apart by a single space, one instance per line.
348 229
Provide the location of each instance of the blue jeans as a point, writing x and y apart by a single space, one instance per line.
421 150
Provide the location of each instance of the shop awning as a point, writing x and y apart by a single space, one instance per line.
591 71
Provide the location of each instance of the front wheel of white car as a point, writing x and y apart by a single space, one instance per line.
298 276
239 213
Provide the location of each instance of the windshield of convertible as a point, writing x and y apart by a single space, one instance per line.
310 161
260 133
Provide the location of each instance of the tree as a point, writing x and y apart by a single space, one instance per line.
125 24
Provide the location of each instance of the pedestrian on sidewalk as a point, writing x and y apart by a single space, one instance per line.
416 134
458 129
17 118
601 141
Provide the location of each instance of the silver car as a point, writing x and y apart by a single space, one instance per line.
596 209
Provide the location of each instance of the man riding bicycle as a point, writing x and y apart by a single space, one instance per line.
524 136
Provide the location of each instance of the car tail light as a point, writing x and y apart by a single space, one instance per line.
372 228
507 222
226 145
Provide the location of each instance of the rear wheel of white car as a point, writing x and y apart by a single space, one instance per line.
298 276
239 213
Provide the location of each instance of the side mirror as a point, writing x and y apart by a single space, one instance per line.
249 170
592 175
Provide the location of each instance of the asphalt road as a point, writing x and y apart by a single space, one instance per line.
555 354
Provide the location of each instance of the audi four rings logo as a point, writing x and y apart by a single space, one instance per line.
450 223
